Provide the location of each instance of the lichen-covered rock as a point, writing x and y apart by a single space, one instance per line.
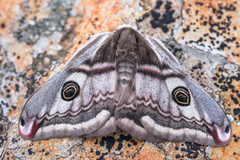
38 37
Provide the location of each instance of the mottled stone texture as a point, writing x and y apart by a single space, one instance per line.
38 37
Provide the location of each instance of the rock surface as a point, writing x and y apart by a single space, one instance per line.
38 37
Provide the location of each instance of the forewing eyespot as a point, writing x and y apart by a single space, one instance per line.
70 90
181 96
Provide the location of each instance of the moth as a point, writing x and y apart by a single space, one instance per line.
128 80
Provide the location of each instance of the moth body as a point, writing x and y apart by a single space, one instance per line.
127 80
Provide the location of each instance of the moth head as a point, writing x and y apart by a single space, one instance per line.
181 96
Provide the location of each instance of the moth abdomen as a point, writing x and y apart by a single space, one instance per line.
125 71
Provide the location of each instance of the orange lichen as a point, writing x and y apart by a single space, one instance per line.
212 25
150 152
8 10
228 86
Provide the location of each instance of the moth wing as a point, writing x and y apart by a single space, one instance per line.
166 104
77 101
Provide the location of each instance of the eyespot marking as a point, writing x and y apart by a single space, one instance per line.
22 121
70 90
181 96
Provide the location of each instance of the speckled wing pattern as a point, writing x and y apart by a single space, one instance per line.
126 80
